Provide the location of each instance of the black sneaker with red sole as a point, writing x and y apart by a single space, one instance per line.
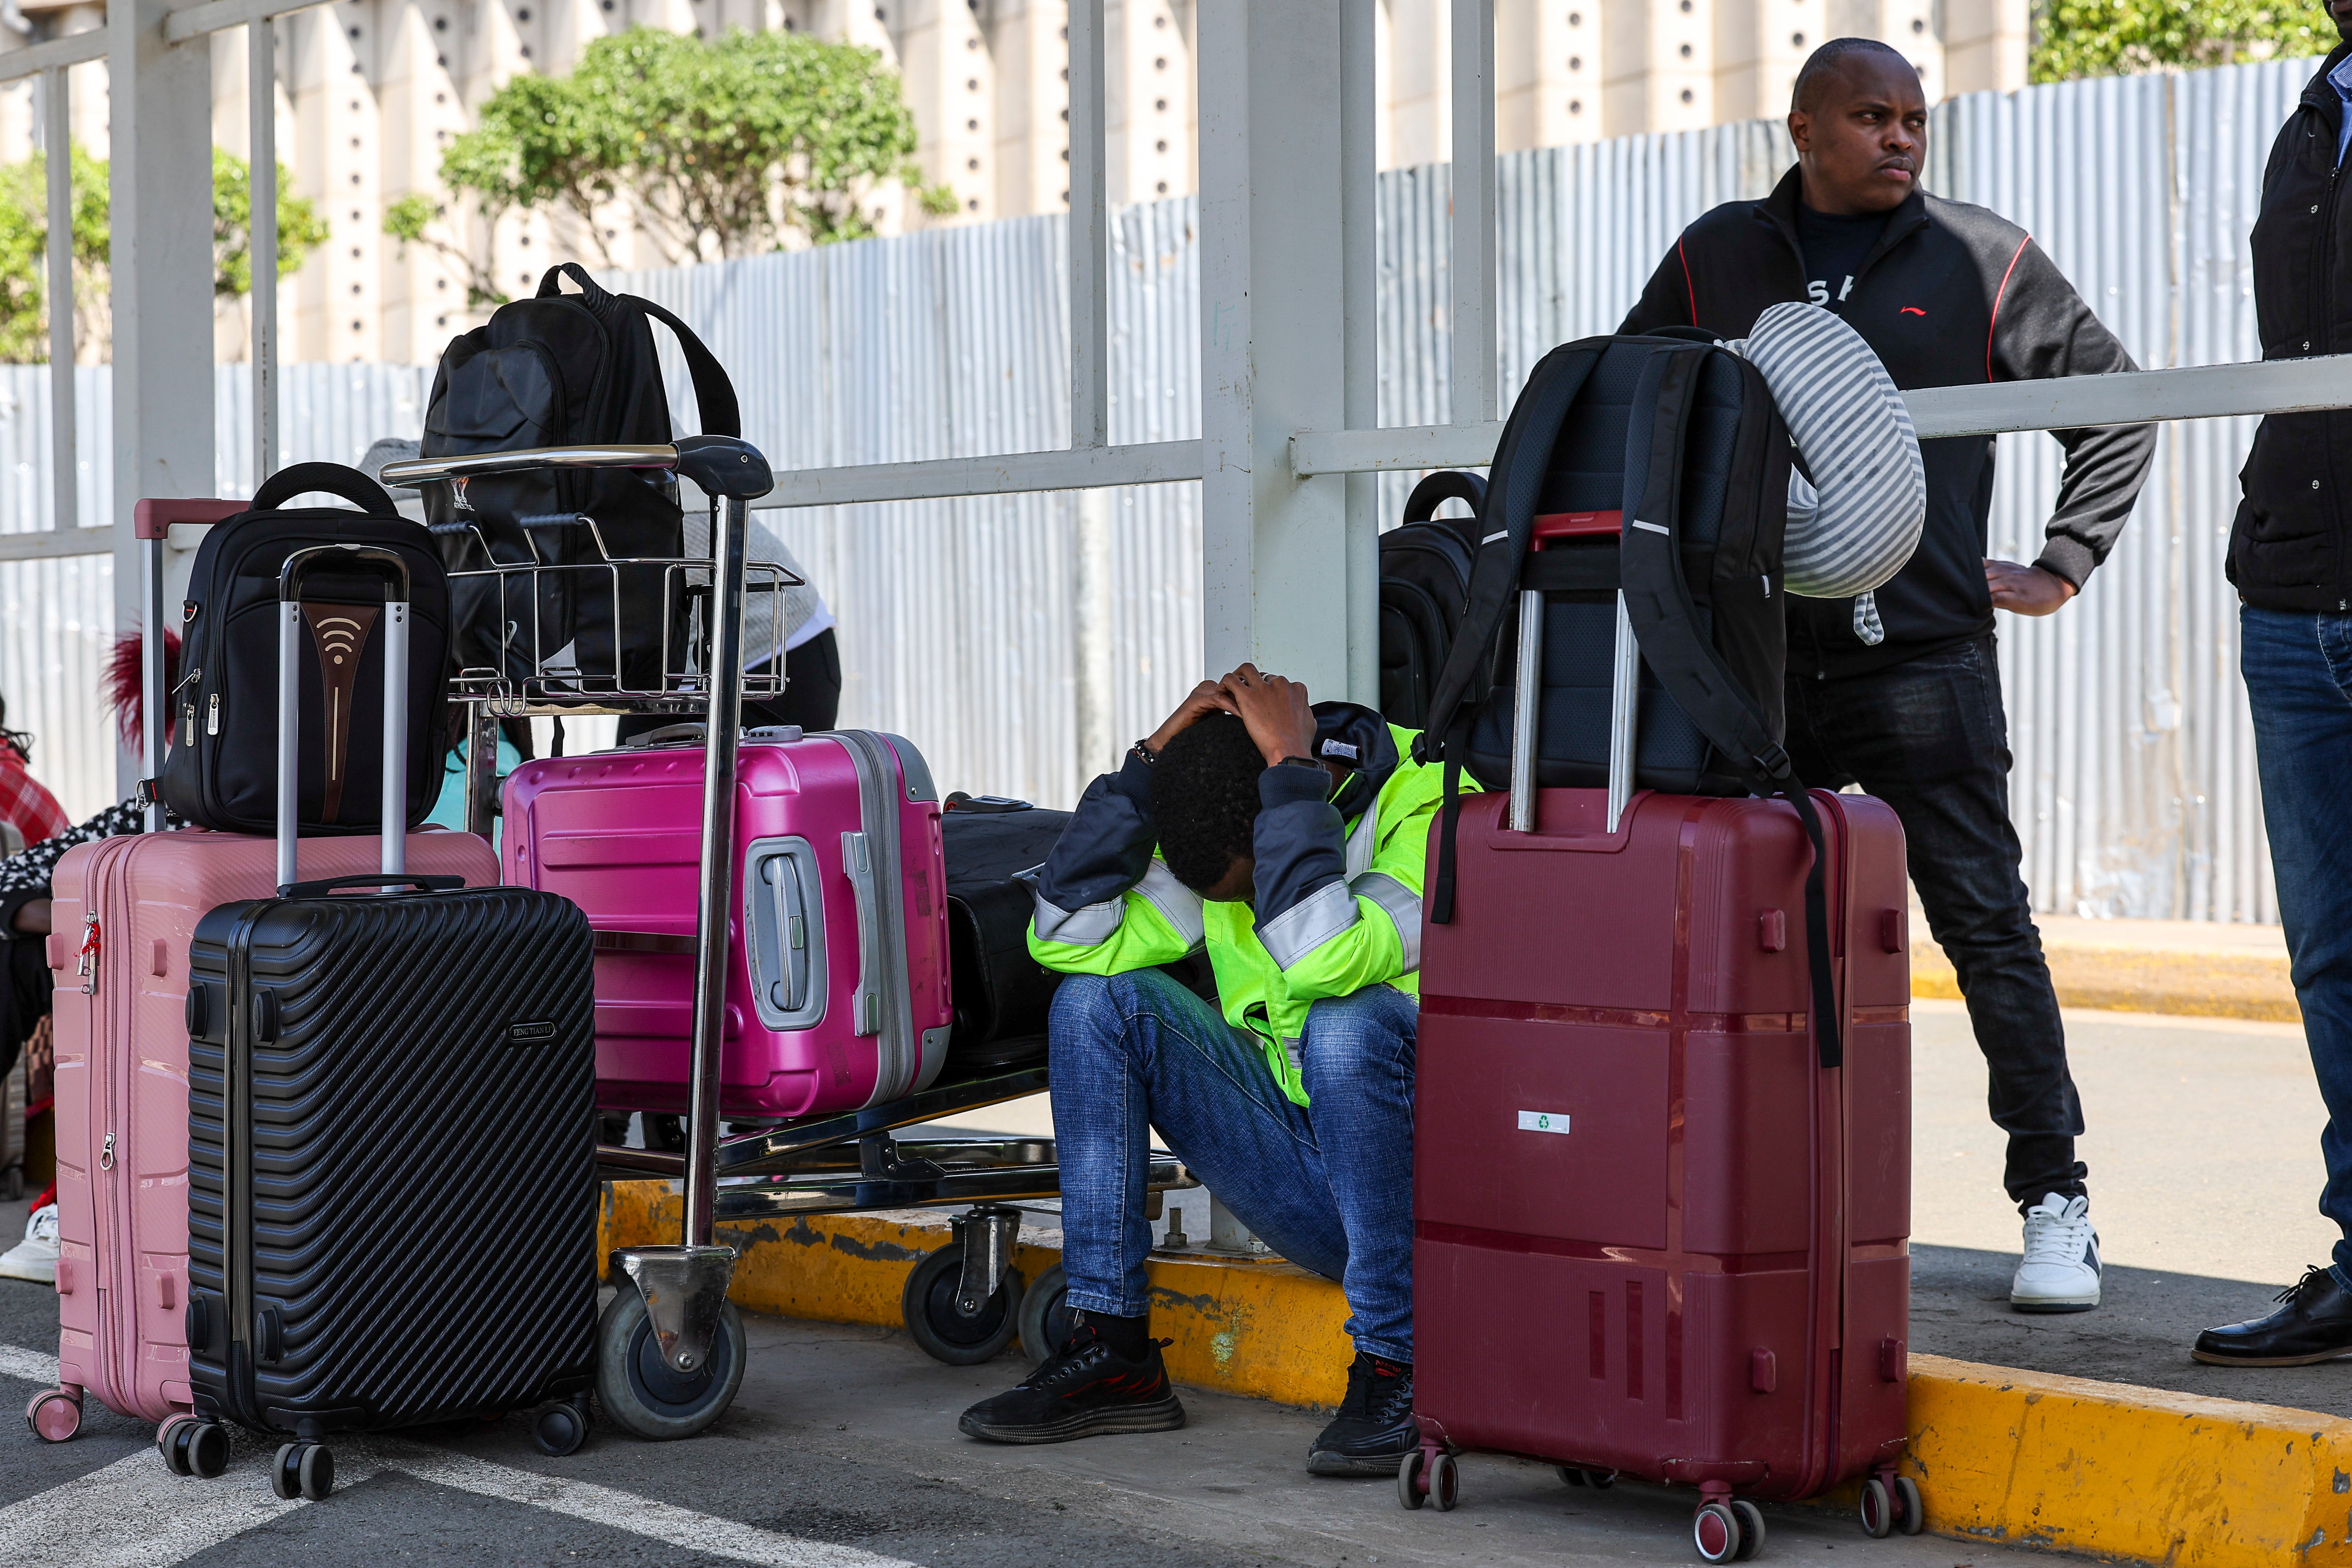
1375 1427
1086 1391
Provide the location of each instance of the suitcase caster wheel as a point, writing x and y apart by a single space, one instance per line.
559 1430
192 1445
939 1326
1910 1513
1751 1528
1445 1483
1877 1510
639 1390
1408 1470
54 1416
1044 1321
1718 1532
302 1470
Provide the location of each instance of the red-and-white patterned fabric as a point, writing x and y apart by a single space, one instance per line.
26 802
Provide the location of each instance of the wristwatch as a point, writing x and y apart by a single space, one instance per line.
1300 762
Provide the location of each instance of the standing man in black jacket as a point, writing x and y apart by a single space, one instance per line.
2291 557
1898 690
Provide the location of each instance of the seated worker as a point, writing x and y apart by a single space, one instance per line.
1289 840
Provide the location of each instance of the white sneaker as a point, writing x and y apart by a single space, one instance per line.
2060 1270
35 1256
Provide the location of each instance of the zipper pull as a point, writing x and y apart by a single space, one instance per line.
106 1154
211 715
87 965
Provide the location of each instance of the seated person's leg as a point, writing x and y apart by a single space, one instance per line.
1130 1052
1356 1064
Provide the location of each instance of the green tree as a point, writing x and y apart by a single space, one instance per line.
24 237
722 148
2115 37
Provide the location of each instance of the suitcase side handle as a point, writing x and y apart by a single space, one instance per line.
393 568
432 884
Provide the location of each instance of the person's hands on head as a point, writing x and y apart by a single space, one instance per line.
1276 710
1859 119
1209 697
2026 590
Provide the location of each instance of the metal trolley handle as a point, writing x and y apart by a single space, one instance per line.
720 465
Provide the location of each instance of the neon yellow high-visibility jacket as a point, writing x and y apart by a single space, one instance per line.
1337 905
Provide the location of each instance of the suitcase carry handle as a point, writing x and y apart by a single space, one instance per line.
438 883
388 566
328 478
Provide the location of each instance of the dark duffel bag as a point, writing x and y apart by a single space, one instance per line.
1002 996
222 770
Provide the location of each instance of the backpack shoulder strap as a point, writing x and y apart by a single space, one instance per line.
714 393
1665 624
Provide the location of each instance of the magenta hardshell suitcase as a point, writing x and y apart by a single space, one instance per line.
837 959
124 911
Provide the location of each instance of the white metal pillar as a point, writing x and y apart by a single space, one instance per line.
1275 546
161 127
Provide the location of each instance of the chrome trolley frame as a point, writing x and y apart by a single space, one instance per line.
828 1164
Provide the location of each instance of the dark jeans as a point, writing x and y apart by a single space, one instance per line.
1928 737
811 698
2298 674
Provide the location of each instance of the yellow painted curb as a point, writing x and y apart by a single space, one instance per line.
2000 1455
2124 979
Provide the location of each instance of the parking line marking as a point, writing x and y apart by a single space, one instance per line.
30 1365
624 1510
133 1513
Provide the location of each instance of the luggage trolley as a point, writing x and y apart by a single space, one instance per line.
671 1351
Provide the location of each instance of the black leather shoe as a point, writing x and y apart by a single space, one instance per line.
2314 1323
1375 1425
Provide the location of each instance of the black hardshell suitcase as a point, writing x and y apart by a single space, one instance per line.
356 1061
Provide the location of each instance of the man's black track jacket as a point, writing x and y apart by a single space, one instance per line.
1951 295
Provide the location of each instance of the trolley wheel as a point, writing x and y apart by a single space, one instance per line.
1445 1483
938 1325
1716 1532
639 1390
1409 1492
54 1416
171 1441
199 1448
1045 1322
1910 1513
1877 1510
558 1428
1751 1528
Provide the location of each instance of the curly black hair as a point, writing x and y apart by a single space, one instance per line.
1205 798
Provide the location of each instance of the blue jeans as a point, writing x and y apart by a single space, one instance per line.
2298 674
1329 1186
1930 737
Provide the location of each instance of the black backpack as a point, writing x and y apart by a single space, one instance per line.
222 769
561 370
1677 438
1424 583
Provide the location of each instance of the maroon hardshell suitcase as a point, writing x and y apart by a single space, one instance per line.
1653 1235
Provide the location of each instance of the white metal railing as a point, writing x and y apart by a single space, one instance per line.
51 61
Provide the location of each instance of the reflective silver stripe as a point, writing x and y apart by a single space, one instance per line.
1402 906
1081 928
1290 1050
1301 928
1179 905
1364 841
1651 527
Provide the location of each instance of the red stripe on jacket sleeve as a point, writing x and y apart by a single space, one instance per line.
1994 324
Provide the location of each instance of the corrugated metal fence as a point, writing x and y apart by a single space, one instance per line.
981 626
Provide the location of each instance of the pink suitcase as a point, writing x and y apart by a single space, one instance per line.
124 911
837 958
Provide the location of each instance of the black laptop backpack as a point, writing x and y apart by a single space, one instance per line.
221 771
1658 465
559 370
1424 583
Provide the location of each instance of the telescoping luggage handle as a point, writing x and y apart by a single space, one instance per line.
388 566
